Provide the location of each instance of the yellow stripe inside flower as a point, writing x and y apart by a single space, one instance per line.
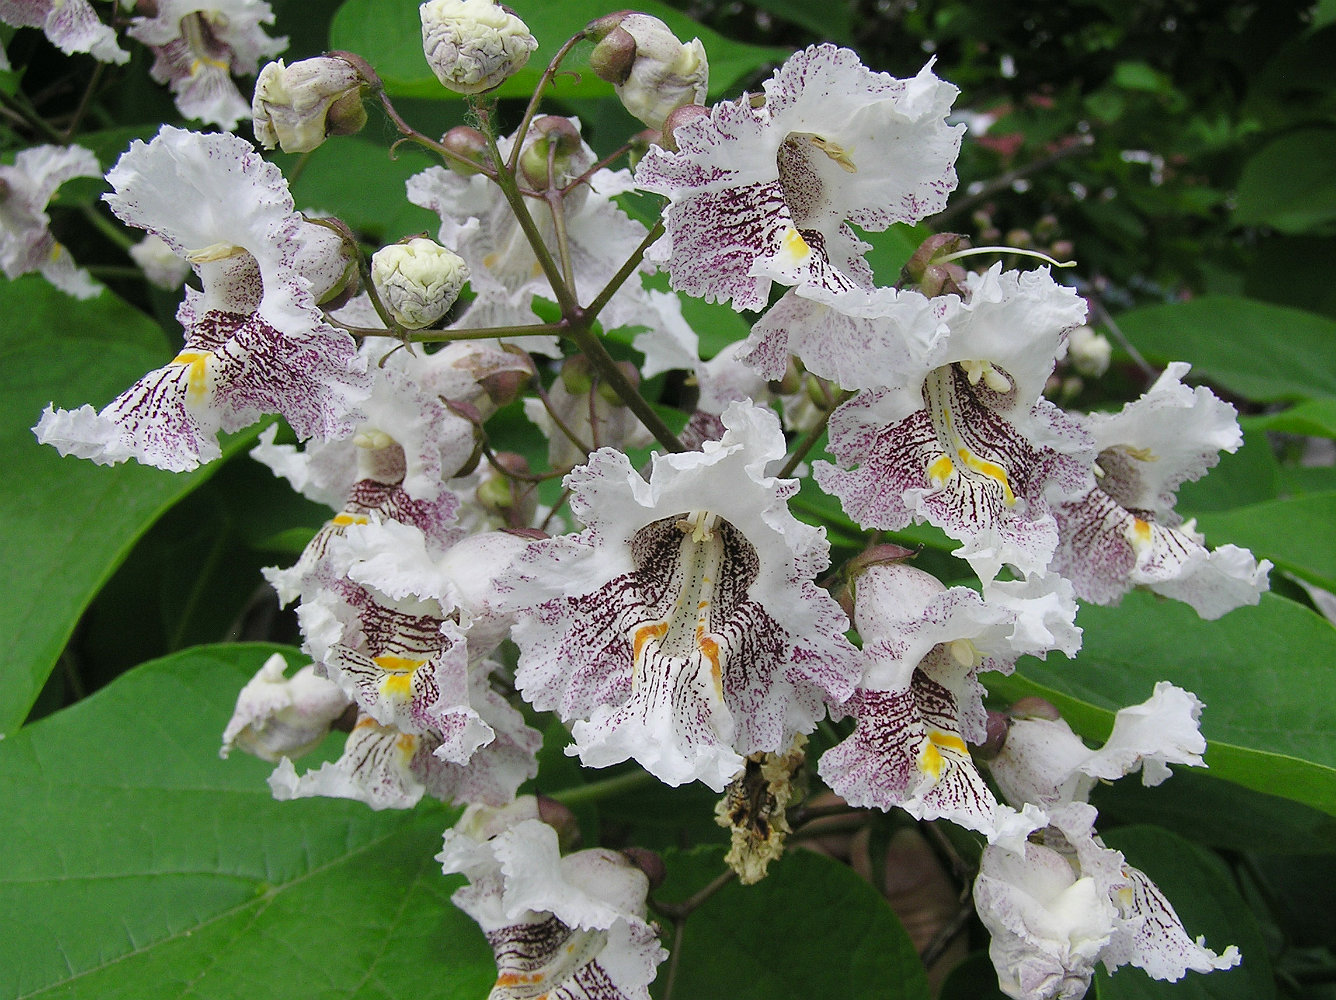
990 469
931 760
345 519
793 244
399 670
197 380
938 394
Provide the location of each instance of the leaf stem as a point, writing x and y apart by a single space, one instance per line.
605 789
532 108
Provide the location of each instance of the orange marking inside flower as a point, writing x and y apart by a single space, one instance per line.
518 978
710 650
645 633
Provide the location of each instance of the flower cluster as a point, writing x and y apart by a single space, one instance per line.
669 614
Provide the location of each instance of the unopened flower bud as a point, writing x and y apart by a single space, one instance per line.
614 56
559 816
298 106
418 280
651 69
575 375
1088 351
996 736
473 45
678 117
648 862
933 275
1034 707
546 159
468 143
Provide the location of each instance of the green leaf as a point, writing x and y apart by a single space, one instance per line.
810 924
1218 814
65 524
1202 893
1289 184
359 182
389 36
1261 351
1295 534
973 979
1266 674
1249 475
142 866
1314 418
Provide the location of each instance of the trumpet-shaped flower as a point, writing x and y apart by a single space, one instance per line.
1125 532
682 627
255 340
1069 901
197 47
26 243
919 702
969 444
569 927
71 25
764 189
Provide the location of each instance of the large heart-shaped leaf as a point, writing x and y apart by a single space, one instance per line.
1265 673
65 524
141 866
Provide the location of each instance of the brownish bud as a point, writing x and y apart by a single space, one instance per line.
648 862
1034 707
468 143
614 56
678 117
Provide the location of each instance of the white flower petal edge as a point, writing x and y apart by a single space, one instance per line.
683 628
560 926
762 194
71 25
1125 532
256 341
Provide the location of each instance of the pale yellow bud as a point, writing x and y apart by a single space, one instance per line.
665 72
298 106
418 280
473 45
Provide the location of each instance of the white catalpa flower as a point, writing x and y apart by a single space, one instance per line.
199 45
504 273
919 702
255 340
569 926
71 26
1068 901
970 445
682 627
765 193
1044 762
1126 533
279 716
26 243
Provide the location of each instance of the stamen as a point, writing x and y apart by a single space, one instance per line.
215 252
836 152
372 439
